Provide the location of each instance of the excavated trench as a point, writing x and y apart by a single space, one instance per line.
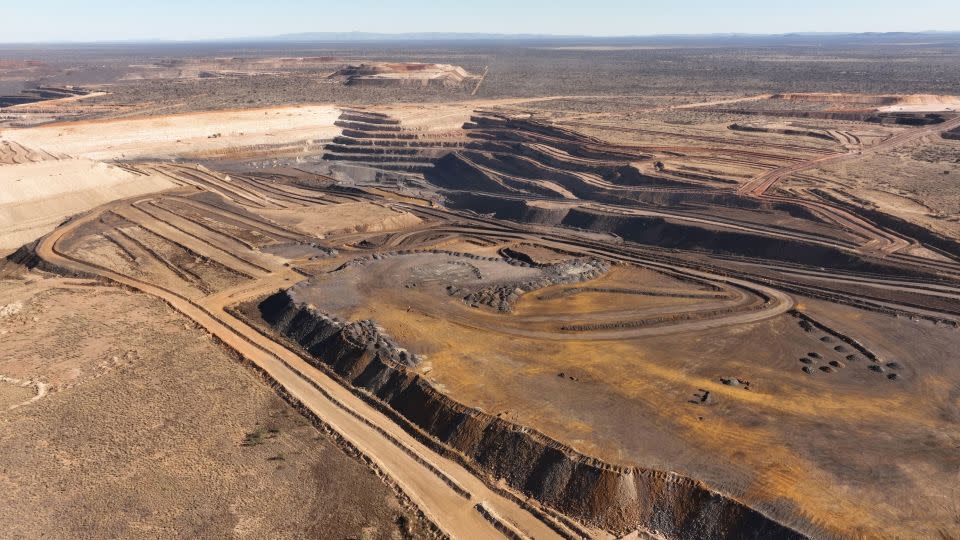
616 498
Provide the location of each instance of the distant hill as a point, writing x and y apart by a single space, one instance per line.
413 36
799 37
727 39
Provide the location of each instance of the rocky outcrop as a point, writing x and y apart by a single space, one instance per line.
616 498
953 134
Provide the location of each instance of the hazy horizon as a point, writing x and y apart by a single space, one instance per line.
179 20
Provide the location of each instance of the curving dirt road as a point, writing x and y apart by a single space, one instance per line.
450 495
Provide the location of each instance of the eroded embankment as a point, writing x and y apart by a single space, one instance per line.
664 233
617 498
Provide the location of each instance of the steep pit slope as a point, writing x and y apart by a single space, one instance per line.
752 410
518 168
434 298
379 149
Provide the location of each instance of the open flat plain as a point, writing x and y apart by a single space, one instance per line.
358 293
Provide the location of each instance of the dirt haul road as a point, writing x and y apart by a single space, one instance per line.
453 498
759 185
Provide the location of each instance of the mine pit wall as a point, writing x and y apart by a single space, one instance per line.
658 232
615 498
454 172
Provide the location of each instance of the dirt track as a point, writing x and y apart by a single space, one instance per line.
762 183
446 491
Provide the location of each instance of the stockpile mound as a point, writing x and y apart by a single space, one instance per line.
406 74
616 498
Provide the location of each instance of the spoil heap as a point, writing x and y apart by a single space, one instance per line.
405 74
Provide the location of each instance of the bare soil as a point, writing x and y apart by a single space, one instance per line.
151 429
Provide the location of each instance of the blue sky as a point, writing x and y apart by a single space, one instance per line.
92 20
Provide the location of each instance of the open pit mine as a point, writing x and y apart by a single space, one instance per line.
532 319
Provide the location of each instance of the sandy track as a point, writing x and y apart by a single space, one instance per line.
777 303
434 483
773 288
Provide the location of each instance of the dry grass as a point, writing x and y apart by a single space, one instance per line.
152 430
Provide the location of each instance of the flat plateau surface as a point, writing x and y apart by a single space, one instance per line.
171 135
357 217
